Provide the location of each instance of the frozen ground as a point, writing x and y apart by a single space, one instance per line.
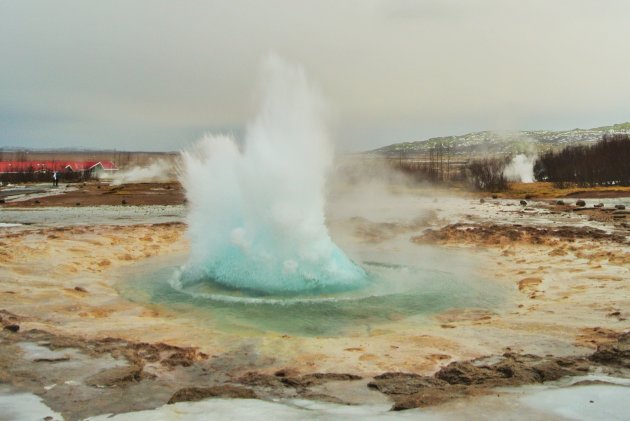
567 295
549 402
91 215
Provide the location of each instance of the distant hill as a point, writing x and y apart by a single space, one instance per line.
503 142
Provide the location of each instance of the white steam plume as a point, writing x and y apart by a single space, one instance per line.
256 217
521 168
159 171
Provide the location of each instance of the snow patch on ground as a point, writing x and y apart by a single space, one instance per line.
23 407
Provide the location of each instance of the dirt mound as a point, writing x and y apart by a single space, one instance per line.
493 234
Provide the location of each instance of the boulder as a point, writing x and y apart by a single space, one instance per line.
620 207
523 202
581 203
12 328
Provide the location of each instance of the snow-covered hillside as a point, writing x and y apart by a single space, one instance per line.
504 142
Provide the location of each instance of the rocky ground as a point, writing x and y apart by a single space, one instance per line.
92 193
70 337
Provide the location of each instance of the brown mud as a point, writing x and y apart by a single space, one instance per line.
102 194
494 234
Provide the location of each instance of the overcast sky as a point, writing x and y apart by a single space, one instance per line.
156 75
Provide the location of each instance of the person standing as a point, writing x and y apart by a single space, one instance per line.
55 179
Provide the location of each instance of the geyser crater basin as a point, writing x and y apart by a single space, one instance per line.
392 293
261 256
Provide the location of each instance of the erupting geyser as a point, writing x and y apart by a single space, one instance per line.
256 219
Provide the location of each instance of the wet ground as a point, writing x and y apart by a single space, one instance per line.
83 285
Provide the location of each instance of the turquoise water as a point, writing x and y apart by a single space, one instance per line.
391 293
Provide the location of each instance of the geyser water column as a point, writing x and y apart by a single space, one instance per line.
256 219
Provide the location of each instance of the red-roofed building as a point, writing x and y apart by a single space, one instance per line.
91 167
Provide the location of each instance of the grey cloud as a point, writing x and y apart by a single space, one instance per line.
156 74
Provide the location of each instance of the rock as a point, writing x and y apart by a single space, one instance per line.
192 394
590 383
580 203
426 397
482 200
403 383
12 328
124 202
550 371
465 373
616 354
80 289
286 372
287 377
560 202
2 201
51 360
184 358
620 207
523 202
481 376
316 379
321 397
78 204
598 205
262 380
320 378
513 370
116 376
494 196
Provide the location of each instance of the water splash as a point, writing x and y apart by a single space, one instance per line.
256 219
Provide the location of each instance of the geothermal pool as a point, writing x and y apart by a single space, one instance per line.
392 292
261 254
